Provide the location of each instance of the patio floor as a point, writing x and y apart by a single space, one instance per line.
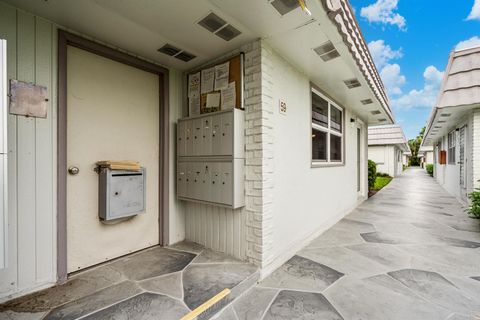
409 252
157 283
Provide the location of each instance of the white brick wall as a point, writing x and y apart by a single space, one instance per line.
259 152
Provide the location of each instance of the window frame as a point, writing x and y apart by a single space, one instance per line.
451 147
315 163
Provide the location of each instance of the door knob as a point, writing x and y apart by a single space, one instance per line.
73 170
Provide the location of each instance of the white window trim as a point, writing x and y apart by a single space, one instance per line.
328 130
453 146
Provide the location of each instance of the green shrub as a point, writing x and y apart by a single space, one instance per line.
381 174
429 168
372 173
474 208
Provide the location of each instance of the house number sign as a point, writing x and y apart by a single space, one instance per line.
283 107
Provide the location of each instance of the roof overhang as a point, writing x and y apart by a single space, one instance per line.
142 27
458 96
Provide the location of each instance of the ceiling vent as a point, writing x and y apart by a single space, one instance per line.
441 121
212 22
285 6
382 120
170 50
437 127
219 27
375 112
180 54
327 51
445 115
185 56
352 83
228 33
366 101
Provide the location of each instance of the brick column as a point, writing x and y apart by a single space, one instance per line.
259 107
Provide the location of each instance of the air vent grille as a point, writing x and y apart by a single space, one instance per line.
228 33
173 51
170 50
212 22
185 56
285 6
375 112
352 83
367 101
327 51
382 120
445 115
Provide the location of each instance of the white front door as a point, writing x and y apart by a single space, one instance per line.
112 114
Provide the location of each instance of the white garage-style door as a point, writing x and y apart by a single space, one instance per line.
112 114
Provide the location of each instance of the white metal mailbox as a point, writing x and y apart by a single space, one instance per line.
211 158
121 193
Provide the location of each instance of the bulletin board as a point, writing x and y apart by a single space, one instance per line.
201 100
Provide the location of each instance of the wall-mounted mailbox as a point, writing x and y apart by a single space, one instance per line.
121 193
211 158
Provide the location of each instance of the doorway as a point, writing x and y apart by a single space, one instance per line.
111 107
361 166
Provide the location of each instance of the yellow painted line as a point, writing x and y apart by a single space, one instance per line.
302 4
204 306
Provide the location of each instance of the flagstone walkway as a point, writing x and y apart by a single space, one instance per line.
409 252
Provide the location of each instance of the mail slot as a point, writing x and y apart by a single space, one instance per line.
121 193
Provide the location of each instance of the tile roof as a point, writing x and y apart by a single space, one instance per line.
387 135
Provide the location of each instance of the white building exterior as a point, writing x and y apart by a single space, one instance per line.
406 158
305 167
454 125
388 147
425 154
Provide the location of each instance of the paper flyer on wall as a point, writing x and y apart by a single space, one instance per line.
229 96
194 106
221 76
213 100
208 77
194 85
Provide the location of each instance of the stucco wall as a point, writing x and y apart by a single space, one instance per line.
385 156
306 200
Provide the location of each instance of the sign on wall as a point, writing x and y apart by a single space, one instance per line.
28 99
282 107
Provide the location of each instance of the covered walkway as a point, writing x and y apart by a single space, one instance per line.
409 252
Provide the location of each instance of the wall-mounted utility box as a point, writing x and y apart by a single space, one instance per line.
211 158
121 193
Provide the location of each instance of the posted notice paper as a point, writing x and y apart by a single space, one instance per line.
194 105
194 85
213 100
221 76
208 77
229 96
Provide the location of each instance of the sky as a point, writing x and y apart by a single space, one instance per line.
410 41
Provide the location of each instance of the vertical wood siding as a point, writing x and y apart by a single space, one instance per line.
31 57
220 229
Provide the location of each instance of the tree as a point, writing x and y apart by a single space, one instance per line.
414 145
